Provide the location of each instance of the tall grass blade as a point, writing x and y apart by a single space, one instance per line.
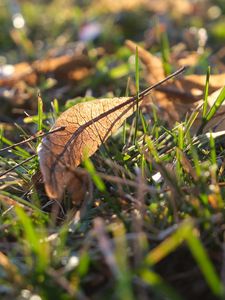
155 281
40 113
219 101
34 240
206 93
96 179
204 263
165 48
137 90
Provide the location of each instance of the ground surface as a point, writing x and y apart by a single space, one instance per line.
148 218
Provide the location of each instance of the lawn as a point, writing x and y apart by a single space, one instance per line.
112 170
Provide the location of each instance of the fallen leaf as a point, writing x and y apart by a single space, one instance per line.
185 58
16 80
11 74
152 63
86 126
64 68
176 97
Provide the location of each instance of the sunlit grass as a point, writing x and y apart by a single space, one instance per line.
154 199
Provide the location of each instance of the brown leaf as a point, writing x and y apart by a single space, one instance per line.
179 96
153 64
66 67
87 126
16 80
21 71
185 58
63 68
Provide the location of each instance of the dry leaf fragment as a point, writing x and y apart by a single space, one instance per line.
185 58
10 75
64 68
16 80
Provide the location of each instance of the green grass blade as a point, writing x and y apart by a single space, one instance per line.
55 107
155 281
137 79
96 179
216 105
125 122
165 48
40 113
190 121
17 149
124 289
22 201
186 232
34 240
137 89
181 137
195 156
206 93
204 263
212 149
169 245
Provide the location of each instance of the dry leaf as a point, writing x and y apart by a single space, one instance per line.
16 80
185 58
66 67
152 63
86 126
179 96
63 68
10 74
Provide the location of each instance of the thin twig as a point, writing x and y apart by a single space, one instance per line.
17 165
116 179
33 137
